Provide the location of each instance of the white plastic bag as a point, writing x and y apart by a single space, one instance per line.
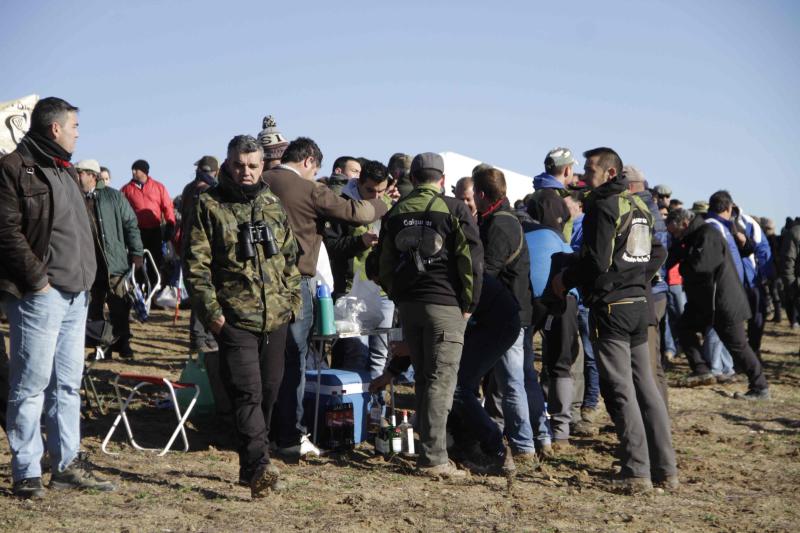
346 313
369 293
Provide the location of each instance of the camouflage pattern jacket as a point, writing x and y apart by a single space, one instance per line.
257 294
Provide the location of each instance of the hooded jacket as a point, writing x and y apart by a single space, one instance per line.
547 204
605 270
118 231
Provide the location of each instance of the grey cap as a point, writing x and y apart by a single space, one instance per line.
633 174
662 190
559 157
427 161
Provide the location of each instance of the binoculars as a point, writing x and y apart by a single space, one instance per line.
251 234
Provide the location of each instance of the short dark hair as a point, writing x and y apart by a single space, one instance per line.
674 203
49 110
244 144
720 201
105 169
479 167
374 171
607 158
141 164
679 215
400 161
300 149
341 162
491 182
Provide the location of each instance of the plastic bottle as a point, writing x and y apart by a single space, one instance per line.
333 417
325 324
407 435
397 441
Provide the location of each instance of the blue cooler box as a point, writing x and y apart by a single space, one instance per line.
352 387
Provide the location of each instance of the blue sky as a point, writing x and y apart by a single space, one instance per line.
699 95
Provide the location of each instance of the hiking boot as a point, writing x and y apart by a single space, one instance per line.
669 483
29 488
583 428
753 395
525 458
545 451
124 350
726 378
78 476
446 470
697 380
303 449
590 414
501 463
562 447
632 485
265 477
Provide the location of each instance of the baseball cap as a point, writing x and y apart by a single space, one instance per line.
559 157
633 174
88 164
700 207
207 163
427 161
662 190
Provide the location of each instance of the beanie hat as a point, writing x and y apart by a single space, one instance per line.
271 139
141 164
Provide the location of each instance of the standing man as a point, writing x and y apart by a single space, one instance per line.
431 266
715 298
153 207
547 205
245 286
307 204
205 178
464 191
345 168
47 270
399 168
611 273
506 258
117 244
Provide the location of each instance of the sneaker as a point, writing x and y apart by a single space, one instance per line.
669 483
30 487
698 380
306 447
265 477
583 428
446 470
632 485
753 395
78 476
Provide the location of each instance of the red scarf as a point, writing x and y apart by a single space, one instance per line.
492 208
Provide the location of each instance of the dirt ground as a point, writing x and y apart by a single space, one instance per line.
739 465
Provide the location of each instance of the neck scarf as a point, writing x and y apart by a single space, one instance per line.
50 148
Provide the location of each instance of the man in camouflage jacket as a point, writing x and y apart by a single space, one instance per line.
245 287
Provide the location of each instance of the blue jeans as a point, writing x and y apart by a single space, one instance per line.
537 408
288 414
509 375
47 332
715 353
676 301
591 378
369 353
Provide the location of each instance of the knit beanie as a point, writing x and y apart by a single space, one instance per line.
272 140
141 164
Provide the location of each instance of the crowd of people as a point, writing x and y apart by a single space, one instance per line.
617 278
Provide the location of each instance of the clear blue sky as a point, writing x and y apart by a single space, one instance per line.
699 95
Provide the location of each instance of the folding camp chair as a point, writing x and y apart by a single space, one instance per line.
99 335
123 416
141 294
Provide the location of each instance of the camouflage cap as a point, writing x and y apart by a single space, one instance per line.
559 157
700 207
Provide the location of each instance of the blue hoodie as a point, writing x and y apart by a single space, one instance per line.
724 226
546 181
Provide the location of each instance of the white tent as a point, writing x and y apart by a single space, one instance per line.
456 166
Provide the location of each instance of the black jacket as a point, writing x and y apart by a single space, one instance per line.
714 293
604 271
506 257
547 206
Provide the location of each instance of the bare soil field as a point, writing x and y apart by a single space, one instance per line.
739 466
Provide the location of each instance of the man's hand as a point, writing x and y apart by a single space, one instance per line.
399 349
138 261
380 382
740 237
558 285
370 239
466 315
216 326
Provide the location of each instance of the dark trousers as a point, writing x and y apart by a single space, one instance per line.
733 336
639 413
251 367
152 240
654 344
119 308
485 342
3 381
757 298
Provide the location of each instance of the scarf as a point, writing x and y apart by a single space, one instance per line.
251 191
50 148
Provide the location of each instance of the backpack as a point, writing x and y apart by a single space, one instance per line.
635 223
